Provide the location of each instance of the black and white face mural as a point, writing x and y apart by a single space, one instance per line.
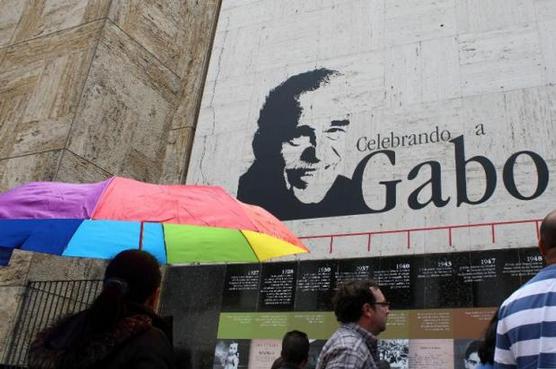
299 147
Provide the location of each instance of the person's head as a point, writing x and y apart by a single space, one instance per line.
233 348
488 344
302 126
138 272
132 277
295 348
361 302
471 358
547 241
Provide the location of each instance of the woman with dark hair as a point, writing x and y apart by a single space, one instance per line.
488 344
119 330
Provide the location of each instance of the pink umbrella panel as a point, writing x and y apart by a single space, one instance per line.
176 223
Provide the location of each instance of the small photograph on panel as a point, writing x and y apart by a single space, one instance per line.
466 354
431 354
231 354
263 353
394 353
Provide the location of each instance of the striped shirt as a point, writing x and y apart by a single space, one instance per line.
526 332
350 347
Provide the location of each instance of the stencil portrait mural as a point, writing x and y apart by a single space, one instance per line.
298 148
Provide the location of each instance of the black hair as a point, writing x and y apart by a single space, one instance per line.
130 278
350 297
295 347
277 363
488 344
472 347
281 110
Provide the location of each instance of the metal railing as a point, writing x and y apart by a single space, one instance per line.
44 303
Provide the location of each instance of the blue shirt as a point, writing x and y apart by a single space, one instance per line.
484 366
526 332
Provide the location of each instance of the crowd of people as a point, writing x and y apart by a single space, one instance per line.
122 330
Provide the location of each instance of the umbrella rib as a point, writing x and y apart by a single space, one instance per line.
249 244
101 197
141 237
164 243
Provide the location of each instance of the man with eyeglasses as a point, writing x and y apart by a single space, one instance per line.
362 309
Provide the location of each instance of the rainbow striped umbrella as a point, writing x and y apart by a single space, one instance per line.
176 223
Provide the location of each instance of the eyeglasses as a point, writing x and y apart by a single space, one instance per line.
383 303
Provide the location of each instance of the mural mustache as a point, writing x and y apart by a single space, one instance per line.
300 144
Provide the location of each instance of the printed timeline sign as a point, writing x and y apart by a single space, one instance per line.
441 304
370 132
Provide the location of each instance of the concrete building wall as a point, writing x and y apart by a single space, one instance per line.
90 89
479 71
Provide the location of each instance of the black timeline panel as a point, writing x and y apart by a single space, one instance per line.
531 262
356 269
241 287
397 278
315 285
493 275
191 295
277 288
445 284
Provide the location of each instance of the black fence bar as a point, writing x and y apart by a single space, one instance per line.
44 303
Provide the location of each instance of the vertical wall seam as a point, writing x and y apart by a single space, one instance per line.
190 142
78 104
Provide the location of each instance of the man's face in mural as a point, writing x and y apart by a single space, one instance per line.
312 156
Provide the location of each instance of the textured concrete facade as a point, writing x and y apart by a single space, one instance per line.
480 71
90 89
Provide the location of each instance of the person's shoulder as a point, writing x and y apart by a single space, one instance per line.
152 336
344 336
151 345
543 282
